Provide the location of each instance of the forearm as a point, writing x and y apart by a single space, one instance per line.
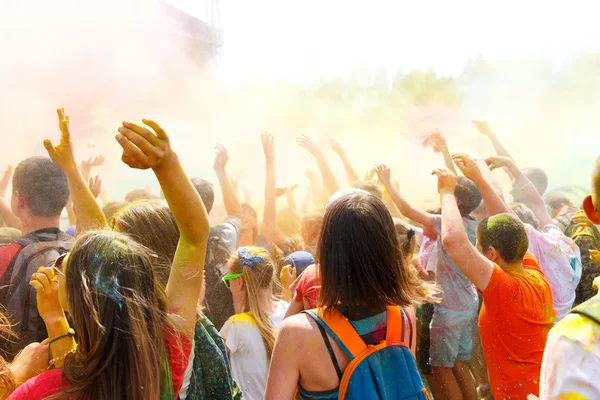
230 198
351 174
71 213
329 181
453 229
502 152
290 200
89 215
493 202
448 159
184 201
270 210
316 191
404 207
7 216
286 295
60 347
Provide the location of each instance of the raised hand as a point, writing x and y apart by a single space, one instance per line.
438 141
384 173
95 186
45 283
595 256
5 179
336 146
498 162
143 149
468 166
281 191
268 146
306 142
287 276
483 127
62 154
221 158
93 162
30 362
446 180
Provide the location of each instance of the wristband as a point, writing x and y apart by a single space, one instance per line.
70 332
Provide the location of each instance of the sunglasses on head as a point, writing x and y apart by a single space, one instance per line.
229 277
57 264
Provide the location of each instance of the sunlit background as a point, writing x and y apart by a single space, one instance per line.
362 72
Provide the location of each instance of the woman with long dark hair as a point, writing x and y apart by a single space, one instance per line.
363 273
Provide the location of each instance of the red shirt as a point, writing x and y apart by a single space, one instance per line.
47 384
308 287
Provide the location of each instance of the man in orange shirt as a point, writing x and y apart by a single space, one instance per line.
517 308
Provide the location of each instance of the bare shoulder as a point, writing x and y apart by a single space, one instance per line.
299 324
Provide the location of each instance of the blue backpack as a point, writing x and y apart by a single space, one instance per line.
383 371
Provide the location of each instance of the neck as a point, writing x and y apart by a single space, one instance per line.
513 267
31 224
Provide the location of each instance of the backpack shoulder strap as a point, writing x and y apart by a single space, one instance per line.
590 309
340 330
395 325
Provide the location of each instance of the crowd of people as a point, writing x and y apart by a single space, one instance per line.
356 294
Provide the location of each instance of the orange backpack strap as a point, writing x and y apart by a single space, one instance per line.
340 330
395 325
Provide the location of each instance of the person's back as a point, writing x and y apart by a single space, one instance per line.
514 321
558 257
364 284
40 192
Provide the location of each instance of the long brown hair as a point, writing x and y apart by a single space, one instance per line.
119 313
152 224
360 261
257 278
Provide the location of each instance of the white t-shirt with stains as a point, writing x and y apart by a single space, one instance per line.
571 366
248 355
560 260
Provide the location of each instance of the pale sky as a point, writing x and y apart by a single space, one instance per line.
303 40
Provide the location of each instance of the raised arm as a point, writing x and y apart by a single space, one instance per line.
419 216
329 180
484 128
270 212
315 188
471 170
230 198
143 149
441 146
89 214
289 195
531 196
454 236
351 174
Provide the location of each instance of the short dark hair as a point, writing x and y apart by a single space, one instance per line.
525 214
467 196
43 184
360 262
505 233
206 192
370 187
538 177
557 199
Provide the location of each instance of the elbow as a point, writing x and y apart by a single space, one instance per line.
450 241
